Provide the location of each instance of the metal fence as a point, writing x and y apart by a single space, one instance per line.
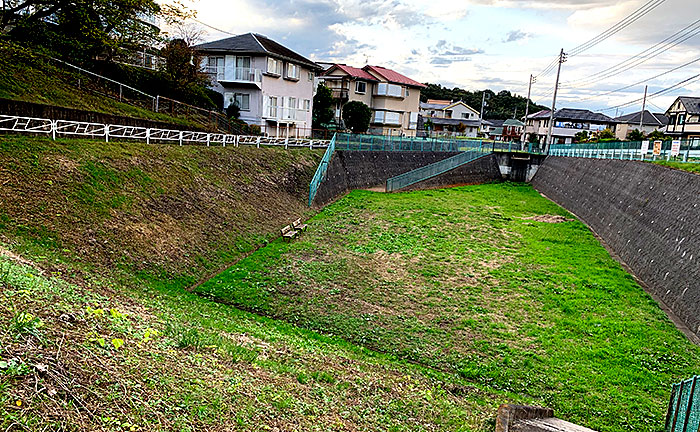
672 150
360 142
684 407
437 168
321 171
107 132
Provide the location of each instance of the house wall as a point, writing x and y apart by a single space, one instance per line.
303 89
622 129
691 126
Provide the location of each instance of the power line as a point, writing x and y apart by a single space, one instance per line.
212 27
641 82
655 50
626 22
653 95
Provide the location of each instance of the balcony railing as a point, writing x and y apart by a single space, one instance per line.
284 113
234 74
340 93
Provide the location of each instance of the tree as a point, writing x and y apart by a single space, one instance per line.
533 138
233 111
83 29
182 64
461 127
323 107
635 135
606 134
656 135
357 116
581 137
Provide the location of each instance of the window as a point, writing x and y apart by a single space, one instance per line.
292 71
243 101
465 115
215 66
413 121
681 119
311 76
291 112
407 93
384 89
307 105
360 87
243 62
387 117
272 106
672 120
448 114
274 66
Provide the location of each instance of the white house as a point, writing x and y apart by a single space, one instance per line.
450 117
567 123
650 122
272 85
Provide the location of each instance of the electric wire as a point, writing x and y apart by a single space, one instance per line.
621 25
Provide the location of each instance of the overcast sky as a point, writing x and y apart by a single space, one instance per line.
477 44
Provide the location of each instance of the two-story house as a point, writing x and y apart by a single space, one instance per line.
393 97
567 123
684 118
450 117
650 122
272 85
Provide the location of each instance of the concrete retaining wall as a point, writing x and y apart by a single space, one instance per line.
350 170
649 215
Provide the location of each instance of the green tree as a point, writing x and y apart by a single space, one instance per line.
533 138
461 127
83 29
581 137
182 64
233 111
635 135
656 135
322 114
606 134
357 116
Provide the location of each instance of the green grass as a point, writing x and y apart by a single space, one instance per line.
30 77
465 281
683 166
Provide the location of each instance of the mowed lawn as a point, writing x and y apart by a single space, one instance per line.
492 283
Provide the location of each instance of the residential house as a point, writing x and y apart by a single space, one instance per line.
684 118
650 122
453 118
507 130
567 123
272 85
393 97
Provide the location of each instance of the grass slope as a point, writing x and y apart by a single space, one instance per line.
29 77
692 167
470 281
97 331
170 211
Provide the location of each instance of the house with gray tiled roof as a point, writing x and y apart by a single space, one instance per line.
393 97
650 122
567 123
272 85
684 118
446 117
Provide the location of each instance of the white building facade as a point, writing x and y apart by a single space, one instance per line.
272 85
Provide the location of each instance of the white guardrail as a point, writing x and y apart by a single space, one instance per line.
106 132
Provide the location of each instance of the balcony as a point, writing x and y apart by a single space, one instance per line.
225 74
284 114
341 93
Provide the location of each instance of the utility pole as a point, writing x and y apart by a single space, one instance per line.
527 111
644 107
554 103
481 112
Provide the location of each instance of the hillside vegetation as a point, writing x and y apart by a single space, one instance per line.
31 77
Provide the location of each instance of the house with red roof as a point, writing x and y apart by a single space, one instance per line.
393 97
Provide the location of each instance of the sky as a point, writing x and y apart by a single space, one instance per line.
478 44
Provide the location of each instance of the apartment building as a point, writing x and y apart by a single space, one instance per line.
650 122
684 118
567 123
272 85
393 97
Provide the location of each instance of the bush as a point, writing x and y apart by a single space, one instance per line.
357 116
233 111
